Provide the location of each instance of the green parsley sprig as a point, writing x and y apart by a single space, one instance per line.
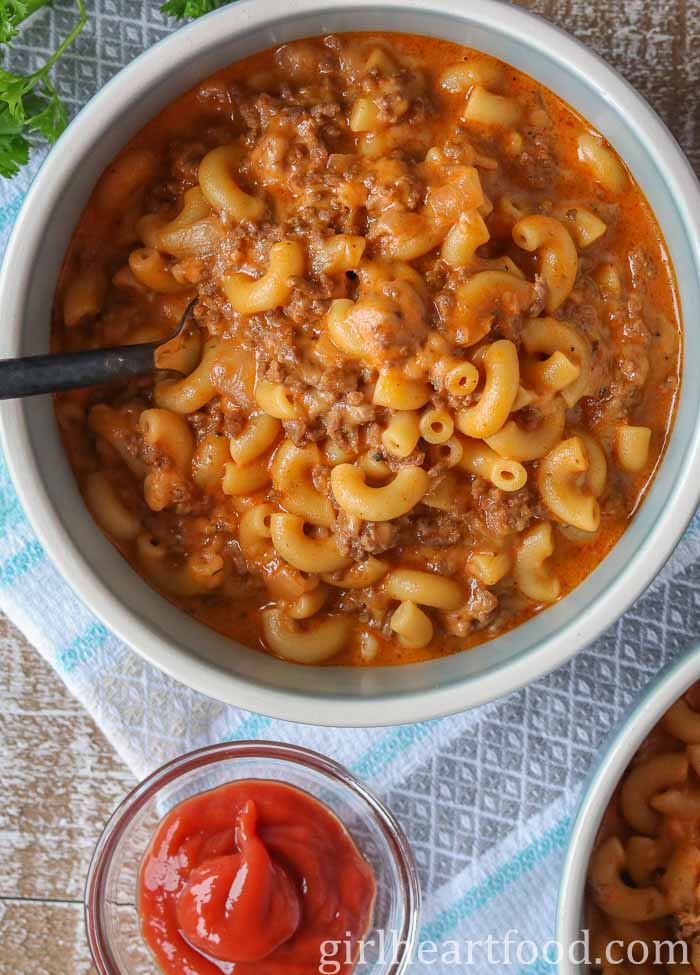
12 13
29 104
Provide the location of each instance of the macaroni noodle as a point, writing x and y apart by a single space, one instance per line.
645 866
431 367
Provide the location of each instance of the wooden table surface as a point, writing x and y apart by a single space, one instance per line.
59 778
59 781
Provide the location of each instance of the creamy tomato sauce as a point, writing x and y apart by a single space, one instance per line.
429 224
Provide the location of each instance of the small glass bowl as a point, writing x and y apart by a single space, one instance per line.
111 890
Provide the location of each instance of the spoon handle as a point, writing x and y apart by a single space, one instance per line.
35 374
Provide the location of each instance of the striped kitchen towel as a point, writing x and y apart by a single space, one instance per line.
485 797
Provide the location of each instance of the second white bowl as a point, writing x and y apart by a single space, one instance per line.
615 756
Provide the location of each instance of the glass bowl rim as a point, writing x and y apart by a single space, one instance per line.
397 841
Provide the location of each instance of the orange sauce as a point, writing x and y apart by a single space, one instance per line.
539 170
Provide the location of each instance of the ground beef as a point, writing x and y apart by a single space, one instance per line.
233 422
612 406
310 301
378 536
210 419
238 559
620 363
392 184
425 526
415 458
256 111
309 128
303 431
374 609
538 160
290 151
304 63
273 335
332 381
296 431
499 512
397 95
167 489
390 323
585 319
343 420
620 367
184 162
478 610
359 539
438 528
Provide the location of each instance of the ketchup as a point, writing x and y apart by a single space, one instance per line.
253 877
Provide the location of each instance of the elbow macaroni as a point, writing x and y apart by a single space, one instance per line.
385 503
110 512
402 433
531 576
274 288
292 471
424 588
632 447
316 555
479 459
501 384
557 253
420 393
603 163
220 188
487 108
562 485
645 867
413 626
312 645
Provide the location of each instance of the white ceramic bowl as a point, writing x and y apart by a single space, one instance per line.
615 755
173 641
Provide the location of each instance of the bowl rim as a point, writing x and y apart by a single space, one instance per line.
397 842
386 708
614 756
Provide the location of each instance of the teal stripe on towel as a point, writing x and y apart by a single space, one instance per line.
10 509
249 729
82 648
8 213
391 747
507 874
20 562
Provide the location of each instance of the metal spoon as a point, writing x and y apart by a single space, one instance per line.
31 375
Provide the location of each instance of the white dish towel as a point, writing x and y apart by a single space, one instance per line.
484 797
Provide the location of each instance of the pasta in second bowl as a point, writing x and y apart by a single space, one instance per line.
412 334
630 876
